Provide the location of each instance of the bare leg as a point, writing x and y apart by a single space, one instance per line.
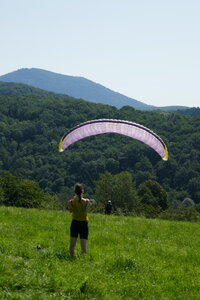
72 245
83 246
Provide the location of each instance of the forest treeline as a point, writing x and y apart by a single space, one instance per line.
32 123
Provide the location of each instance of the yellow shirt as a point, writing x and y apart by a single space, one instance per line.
78 209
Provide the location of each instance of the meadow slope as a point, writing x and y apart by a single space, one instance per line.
128 258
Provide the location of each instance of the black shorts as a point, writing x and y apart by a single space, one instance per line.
79 228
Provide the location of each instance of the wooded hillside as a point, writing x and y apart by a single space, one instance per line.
32 125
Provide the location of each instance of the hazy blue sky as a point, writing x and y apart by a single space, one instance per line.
146 49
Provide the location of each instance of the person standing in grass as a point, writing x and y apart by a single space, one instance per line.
78 206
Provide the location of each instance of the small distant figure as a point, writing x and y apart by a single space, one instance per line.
108 207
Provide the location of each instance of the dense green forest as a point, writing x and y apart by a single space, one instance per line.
33 121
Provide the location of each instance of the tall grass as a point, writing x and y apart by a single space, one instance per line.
128 258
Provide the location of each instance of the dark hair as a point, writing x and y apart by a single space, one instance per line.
78 189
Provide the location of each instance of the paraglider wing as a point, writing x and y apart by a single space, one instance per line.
127 128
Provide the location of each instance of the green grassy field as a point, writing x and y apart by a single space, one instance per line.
128 258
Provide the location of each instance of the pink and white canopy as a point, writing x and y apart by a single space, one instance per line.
130 129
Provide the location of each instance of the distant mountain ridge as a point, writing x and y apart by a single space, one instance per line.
77 87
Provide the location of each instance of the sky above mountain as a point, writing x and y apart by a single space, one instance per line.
147 50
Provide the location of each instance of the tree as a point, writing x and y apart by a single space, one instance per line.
15 191
9 185
1 195
104 187
153 198
194 188
184 175
118 188
142 176
112 165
